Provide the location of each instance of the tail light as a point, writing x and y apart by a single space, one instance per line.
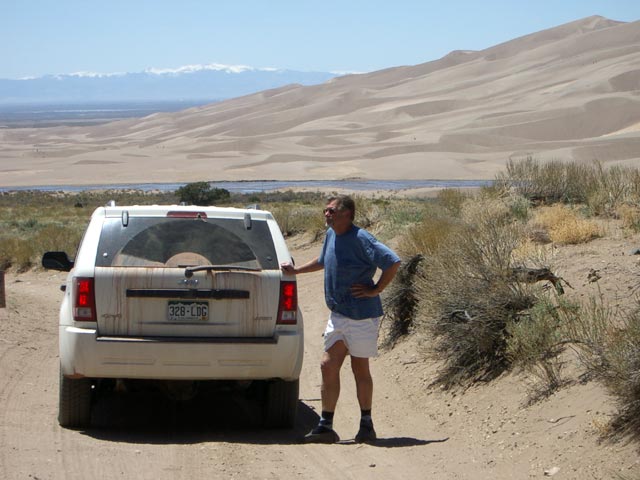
84 309
288 309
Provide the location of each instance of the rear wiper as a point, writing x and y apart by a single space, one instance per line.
188 272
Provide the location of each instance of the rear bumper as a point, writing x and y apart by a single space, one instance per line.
84 354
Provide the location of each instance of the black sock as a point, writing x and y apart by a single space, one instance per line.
326 420
365 416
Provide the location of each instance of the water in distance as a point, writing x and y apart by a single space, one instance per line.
256 186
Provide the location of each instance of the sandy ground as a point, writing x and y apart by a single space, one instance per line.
486 432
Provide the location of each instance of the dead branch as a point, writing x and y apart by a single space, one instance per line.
533 275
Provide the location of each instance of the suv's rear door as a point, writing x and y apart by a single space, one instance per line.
144 287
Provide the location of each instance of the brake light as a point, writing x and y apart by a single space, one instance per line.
288 310
181 214
85 300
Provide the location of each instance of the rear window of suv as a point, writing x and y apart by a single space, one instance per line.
182 242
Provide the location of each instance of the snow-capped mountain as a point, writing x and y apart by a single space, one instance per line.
190 82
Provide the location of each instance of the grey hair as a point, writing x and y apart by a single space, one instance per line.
344 202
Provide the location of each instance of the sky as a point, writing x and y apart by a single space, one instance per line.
40 37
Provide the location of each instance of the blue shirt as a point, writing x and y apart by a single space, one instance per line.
348 259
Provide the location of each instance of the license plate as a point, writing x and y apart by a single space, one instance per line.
179 311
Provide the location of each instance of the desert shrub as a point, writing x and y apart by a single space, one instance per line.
401 301
601 188
24 250
26 225
419 240
278 196
301 212
468 294
608 341
385 217
296 219
630 216
581 180
612 188
519 206
452 199
536 181
15 253
369 212
537 338
633 190
400 214
429 234
565 226
38 224
61 201
58 237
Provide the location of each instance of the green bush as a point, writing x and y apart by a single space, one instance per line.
519 206
201 193
537 338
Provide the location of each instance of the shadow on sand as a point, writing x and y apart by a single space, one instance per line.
151 418
396 442
226 416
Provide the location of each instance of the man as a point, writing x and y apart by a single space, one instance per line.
350 257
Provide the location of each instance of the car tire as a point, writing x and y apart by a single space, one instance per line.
74 408
281 406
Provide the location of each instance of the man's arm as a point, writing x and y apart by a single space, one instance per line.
311 266
361 291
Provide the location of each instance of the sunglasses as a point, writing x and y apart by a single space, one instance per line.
330 210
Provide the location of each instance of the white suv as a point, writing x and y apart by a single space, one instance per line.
180 294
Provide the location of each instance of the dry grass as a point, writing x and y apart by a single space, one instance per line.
429 235
565 226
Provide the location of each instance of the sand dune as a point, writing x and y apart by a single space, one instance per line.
569 93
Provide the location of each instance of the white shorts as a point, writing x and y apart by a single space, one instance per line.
360 336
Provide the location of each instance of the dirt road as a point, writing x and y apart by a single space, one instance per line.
424 433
